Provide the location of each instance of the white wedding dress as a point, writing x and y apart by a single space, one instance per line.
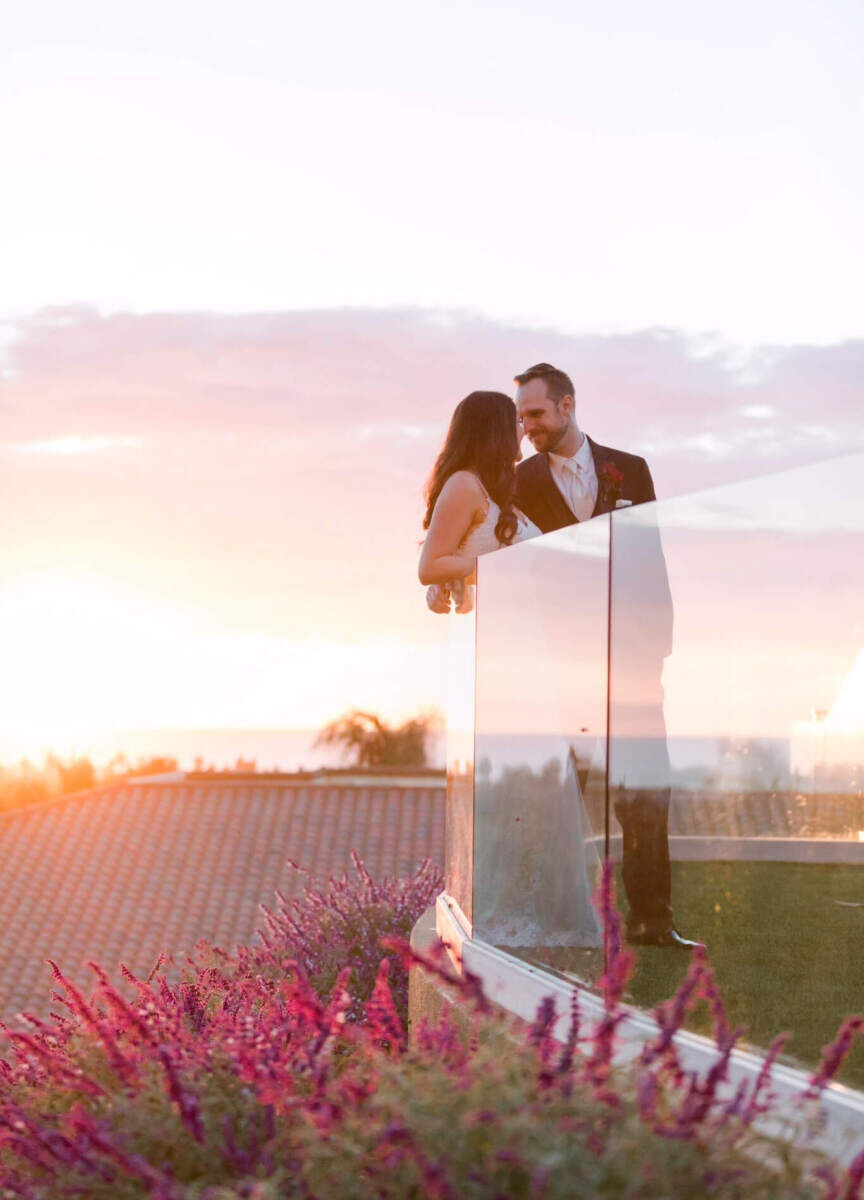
482 540
533 862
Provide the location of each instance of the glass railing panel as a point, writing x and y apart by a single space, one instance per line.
540 747
737 746
459 823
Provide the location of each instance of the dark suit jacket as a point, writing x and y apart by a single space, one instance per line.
539 499
642 610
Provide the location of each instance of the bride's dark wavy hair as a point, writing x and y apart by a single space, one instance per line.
481 438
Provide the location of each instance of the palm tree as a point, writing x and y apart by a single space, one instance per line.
371 742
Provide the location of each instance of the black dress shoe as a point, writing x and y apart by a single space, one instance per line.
642 936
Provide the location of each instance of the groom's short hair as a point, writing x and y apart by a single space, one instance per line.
558 385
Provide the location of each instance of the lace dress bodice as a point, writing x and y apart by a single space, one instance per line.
479 540
482 540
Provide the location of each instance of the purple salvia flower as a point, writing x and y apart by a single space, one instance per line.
760 1100
381 1013
192 1007
25 1148
187 1103
163 958
60 1147
670 1015
118 1062
167 996
435 1182
735 1106
127 1012
618 962
236 1158
568 1050
73 1077
700 1098
833 1056
133 1164
854 1181
74 998
540 1031
619 965
38 1024
647 1093
711 992
599 1062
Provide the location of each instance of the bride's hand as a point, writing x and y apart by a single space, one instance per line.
463 596
438 598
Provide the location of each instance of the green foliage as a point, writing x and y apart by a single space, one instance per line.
245 1080
496 1131
25 784
367 741
474 1126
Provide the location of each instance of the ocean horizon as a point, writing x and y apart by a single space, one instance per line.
269 749
290 750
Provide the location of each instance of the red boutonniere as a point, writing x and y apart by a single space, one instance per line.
611 483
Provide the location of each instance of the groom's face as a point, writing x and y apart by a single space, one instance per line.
545 423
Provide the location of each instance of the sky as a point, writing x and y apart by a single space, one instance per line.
253 256
594 167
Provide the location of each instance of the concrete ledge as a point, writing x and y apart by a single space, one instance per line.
700 848
765 849
425 994
428 995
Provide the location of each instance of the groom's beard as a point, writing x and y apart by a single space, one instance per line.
549 441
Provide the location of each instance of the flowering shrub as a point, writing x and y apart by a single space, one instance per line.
342 926
242 1082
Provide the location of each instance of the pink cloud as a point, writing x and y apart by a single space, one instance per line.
394 376
280 457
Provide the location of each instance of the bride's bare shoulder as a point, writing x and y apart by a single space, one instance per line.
463 485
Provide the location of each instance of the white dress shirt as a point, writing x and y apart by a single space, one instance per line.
576 480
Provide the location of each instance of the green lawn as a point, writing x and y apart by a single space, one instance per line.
786 954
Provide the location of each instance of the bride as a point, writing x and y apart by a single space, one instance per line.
469 497
532 859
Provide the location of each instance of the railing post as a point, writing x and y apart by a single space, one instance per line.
606 792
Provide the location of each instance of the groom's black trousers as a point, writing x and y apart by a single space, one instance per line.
644 818
640 774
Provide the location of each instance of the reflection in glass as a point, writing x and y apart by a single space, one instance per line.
754 743
735 747
459 824
540 745
641 624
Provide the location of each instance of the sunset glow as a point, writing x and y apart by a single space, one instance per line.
242 295
89 657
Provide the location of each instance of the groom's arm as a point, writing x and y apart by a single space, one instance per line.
662 626
644 485
644 607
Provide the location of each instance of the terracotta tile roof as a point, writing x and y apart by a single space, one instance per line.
125 872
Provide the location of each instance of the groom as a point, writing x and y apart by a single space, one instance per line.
571 479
